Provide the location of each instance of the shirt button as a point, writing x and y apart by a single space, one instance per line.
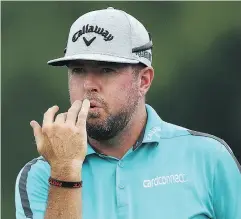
121 186
121 164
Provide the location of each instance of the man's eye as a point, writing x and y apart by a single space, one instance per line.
77 70
107 70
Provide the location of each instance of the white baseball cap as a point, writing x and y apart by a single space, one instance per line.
108 35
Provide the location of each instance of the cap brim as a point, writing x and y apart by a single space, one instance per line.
93 57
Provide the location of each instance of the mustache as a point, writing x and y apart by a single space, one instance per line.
97 99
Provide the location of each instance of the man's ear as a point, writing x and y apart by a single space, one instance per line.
146 76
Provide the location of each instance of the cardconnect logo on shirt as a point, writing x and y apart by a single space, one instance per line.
165 180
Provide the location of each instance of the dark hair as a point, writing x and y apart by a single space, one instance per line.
137 68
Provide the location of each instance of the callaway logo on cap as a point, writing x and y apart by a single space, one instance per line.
109 35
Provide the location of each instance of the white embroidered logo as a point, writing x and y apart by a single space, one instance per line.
165 180
153 131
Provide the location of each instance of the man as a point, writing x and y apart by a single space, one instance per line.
111 156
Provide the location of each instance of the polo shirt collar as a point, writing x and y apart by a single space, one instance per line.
153 126
150 133
90 150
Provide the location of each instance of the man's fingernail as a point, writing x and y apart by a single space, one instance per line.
86 101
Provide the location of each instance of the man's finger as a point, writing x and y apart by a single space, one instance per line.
60 118
49 115
83 113
37 130
73 112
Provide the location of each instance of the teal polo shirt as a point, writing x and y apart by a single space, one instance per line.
171 173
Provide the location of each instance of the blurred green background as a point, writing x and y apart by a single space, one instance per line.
197 61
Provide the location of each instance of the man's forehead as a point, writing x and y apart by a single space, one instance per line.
91 63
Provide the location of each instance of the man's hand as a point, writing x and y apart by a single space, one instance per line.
63 141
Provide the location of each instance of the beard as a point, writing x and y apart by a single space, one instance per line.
114 123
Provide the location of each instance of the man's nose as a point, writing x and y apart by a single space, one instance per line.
91 82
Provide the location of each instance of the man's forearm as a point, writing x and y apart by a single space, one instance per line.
64 203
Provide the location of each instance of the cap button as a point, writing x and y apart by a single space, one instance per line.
110 8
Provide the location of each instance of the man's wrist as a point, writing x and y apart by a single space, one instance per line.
67 172
65 184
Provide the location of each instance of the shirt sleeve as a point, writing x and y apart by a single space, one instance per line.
227 185
31 190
